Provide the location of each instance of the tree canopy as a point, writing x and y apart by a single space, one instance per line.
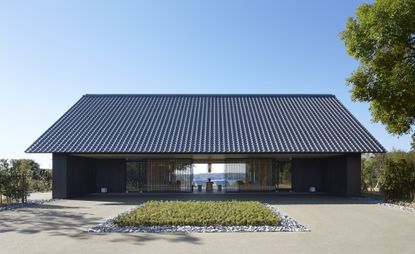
382 38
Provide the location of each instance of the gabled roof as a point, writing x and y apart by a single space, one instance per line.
206 124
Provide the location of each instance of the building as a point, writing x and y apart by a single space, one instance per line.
150 143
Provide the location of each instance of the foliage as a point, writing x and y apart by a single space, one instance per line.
398 176
41 180
16 179
4 164
372 165
40 186
20 177
199 213
382 39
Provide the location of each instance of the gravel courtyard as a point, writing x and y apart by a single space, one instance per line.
338 225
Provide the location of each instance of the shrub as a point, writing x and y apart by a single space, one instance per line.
41 180
372 165
3 166
16 179
199 213
40 186
398 176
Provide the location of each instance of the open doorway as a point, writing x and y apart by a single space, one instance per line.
209 177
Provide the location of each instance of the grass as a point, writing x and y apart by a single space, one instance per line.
199 213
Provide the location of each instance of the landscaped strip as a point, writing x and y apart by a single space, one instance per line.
200 217
199 213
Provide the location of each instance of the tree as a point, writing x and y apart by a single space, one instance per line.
41 180
372 165
4 165
18 177
398 176
413 143
23 171
382 38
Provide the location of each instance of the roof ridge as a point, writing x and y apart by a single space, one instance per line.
219 95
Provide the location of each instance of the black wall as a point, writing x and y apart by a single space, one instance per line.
111 173
75 176
306 173
337 175
81 176
59 176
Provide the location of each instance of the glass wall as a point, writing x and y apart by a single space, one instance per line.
176 175
160 175
250 175
284 175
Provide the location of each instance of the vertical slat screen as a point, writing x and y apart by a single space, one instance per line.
249 175
175 175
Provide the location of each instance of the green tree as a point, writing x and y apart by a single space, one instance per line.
398 176
4 165
382 38
41 178
372 166
23 170
18 179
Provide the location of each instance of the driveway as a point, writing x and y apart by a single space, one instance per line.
338 225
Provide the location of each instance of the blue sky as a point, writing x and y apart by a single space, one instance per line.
53 52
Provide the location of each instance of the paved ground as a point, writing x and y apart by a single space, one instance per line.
39 196
338 225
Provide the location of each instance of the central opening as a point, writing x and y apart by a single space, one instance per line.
185 175
209 177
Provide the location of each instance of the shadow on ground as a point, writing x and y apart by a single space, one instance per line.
69 221
70 218
45 218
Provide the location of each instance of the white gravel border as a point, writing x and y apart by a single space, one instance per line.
383 203
400 207
287 225
28 204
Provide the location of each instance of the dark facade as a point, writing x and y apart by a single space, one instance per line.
337 175
75 176
149 143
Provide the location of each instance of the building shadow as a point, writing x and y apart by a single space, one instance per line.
69 221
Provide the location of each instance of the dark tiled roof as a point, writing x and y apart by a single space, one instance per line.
206 124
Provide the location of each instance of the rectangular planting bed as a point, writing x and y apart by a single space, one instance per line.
200 216
199 213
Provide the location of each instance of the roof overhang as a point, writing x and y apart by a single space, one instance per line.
205 157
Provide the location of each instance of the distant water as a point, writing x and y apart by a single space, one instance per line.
215 181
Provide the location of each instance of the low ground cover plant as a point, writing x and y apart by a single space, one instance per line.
199 213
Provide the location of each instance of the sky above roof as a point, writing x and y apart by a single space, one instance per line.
53 52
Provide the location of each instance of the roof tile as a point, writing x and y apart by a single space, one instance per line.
206 124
